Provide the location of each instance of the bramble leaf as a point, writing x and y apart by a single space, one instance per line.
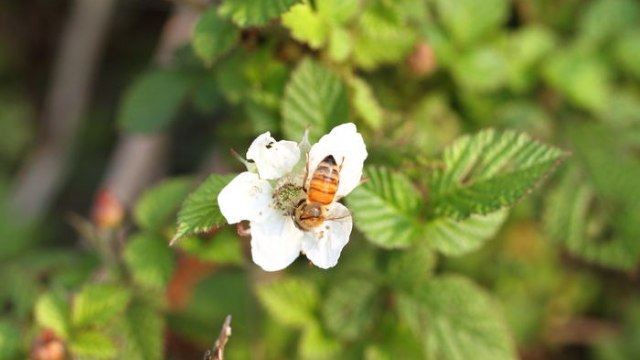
458 237
150 260
200 211
213 36
488 171
93 345
290 301
254 12
469 20
455 320
97 304
385 208
348 307
153 100
52 311
157 205
314 97
142 333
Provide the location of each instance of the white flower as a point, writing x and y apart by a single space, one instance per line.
267 196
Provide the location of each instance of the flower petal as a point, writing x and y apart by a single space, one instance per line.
348 148
246 197
324 244
275 241
273 158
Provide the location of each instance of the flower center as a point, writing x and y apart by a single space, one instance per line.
286 197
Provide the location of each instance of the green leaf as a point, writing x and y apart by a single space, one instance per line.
469 20
409 267
143 328
349 307
290 301
627 52
158 204
223 248
254 12
489 170
603 19
153 100
456 321
338 11
365 102
340 44
150 260
482 70
600 231
306 25
458 237
316 344
385 208
581 76
382 37
200 211
97 304
52 311
314 97
93 345
10 340
213 36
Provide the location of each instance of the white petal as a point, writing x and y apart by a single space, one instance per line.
273 158
246 197
348 148
275 241
324 244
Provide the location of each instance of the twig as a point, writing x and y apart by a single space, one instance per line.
217 352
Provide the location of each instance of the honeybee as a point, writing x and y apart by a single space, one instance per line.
312 211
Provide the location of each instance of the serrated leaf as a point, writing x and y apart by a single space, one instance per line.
10 340
487 171
254 12
150 260
468 20
385 208
409 267
223 248
349 307
200 211
97 304
142 333
456 321
153 100
365 102
593 228
458 237
290 301
213 36
317 345
52 311
383 37
91 344
306 25
157 205
314 97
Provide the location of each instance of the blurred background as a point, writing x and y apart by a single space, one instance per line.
112 111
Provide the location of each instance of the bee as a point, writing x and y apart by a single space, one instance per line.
321 192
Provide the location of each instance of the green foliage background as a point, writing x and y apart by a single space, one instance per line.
501 218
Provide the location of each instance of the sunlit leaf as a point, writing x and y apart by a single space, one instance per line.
316 344
254 12
200 211
489 170
290 301
52 311
385 208
92 344
158 204
365 102
457 237
306 25
314 97
98 304
150 260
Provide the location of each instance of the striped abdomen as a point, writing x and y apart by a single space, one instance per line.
324 182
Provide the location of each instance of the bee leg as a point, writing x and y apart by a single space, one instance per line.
341 162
